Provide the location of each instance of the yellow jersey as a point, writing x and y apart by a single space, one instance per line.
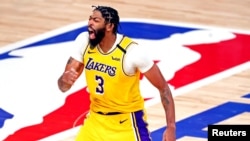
110 88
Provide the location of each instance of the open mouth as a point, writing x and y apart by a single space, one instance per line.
91 33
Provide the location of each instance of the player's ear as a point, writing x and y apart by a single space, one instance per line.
109 27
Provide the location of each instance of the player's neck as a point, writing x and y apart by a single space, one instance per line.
107 42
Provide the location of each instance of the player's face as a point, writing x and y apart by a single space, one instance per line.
96 28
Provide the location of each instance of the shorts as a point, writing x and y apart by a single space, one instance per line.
116 127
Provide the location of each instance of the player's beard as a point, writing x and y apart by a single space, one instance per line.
99 35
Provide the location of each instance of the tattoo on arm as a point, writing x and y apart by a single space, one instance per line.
75 64
168 105
165 94
165 98
69 61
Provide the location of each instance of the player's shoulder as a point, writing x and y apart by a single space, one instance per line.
82 39
125 38
131 45
83 36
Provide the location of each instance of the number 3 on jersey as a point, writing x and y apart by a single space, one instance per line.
99 89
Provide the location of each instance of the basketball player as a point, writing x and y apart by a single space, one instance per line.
112 64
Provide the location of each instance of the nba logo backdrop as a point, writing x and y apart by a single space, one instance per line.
33 108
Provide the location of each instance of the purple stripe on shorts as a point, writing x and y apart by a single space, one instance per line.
141 124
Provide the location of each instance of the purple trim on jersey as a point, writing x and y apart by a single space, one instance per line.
140 125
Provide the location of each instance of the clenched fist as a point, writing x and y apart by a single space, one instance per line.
67 79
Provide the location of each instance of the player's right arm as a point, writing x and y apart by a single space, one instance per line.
74 66
72 71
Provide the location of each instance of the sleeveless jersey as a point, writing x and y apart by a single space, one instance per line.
110 88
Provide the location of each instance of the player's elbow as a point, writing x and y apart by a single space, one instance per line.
164 88
62 86
63 89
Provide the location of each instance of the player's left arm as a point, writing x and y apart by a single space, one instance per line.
139 58
155 76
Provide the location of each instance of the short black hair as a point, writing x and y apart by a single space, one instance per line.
110 15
